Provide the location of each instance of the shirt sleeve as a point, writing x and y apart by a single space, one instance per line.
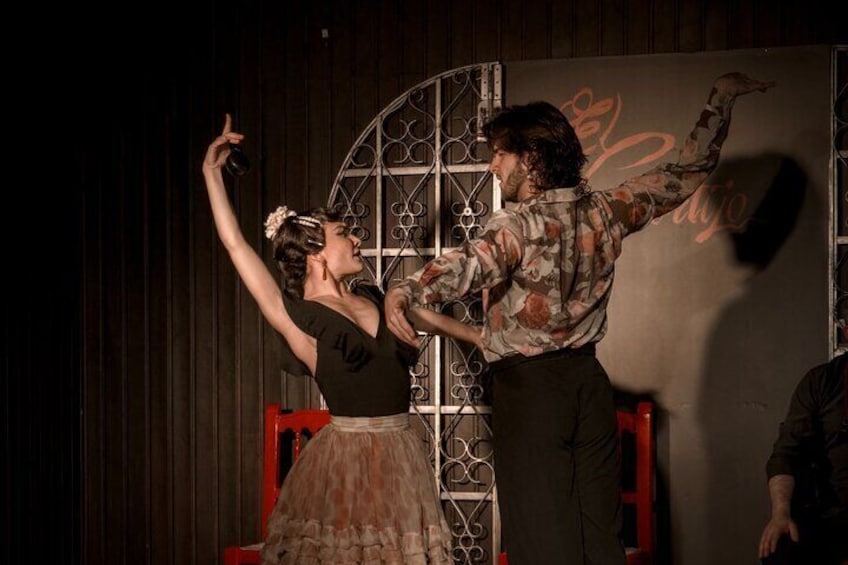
797 431
637 201
477 264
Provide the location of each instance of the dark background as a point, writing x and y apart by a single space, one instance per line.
134 365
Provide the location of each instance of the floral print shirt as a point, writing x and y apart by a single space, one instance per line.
546 268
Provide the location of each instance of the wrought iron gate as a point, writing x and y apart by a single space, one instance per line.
838 257
416 184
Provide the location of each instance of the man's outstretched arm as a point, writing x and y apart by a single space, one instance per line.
638 200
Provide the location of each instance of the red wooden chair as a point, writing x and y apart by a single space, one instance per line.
639 494
279 428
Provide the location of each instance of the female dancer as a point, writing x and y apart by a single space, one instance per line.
362 491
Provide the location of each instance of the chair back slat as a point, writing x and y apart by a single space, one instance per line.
277 425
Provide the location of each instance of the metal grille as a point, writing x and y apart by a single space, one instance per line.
416 184
839 201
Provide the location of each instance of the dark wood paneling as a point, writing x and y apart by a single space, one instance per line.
412 20
511 30
768 20
40 418
563 27
638 27
180 382
158 164
797 17
461 35
613 26
136 282
298 66
387 35
436 42
158 358
486 26
93 427
272 159
249 319
664 24
319 107
587 30
536 31
740 25
342 130
690 24
113 377
715 26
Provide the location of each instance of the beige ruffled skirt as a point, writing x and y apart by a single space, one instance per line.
362 492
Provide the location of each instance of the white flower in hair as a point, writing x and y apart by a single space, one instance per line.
275 220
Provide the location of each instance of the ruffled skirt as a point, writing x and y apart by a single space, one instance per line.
362 492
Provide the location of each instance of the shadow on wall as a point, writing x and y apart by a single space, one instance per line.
755 351
774 218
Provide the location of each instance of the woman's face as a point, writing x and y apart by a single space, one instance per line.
341 250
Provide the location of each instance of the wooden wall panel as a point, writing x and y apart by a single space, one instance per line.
135 355
536 31
768 21
715 26
114 377
511 30
461 34
664 23
159 358
436 42
690 23
249 319
342 130
740 25
588 33
638 27
412 20
612 28
271 159
486 37
382 27
562 29
158 162
181 403
297 64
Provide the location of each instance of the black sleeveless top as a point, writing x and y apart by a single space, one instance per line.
359 375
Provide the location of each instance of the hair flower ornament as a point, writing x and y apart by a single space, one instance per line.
275 220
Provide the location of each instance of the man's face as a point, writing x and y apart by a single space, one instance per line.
511 172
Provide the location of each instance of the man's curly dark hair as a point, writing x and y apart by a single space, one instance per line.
555 155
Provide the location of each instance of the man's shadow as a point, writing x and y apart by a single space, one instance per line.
761 340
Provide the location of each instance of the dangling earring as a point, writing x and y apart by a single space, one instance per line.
324 276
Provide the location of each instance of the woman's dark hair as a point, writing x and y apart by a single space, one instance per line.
555 155
295 239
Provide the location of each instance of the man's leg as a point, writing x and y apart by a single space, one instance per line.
598 468
534 415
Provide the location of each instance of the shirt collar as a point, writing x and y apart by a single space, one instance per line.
566 194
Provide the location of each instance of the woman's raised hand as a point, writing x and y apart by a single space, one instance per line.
219 149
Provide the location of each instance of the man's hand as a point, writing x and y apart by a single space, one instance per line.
396 304
779 525
737 84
